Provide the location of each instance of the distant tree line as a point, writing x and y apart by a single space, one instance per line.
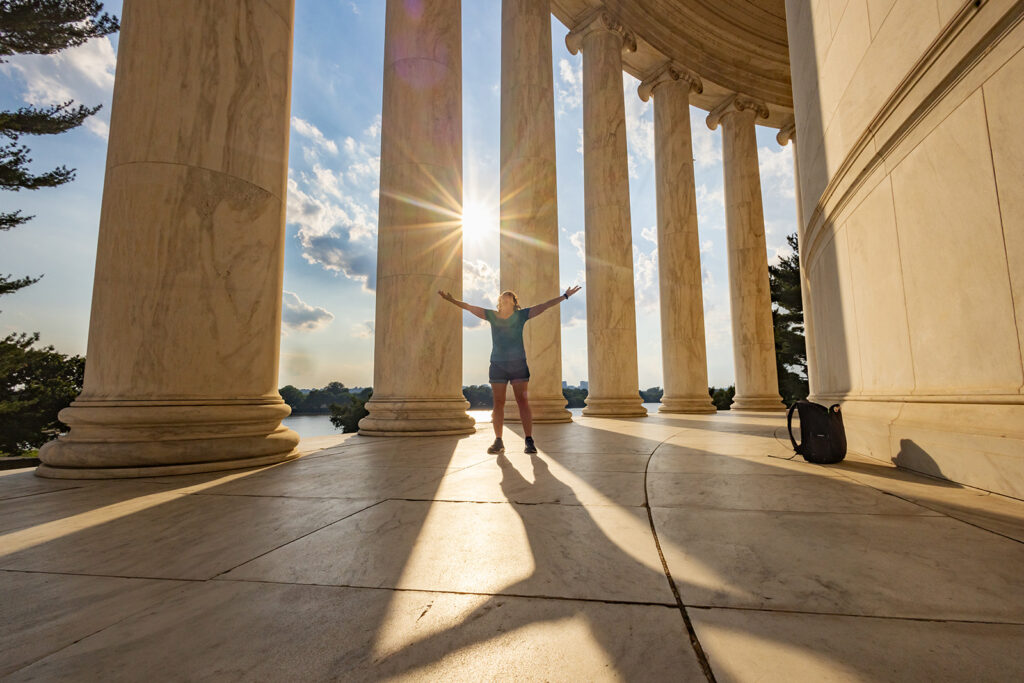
319 401
346 407
346 416
479 396
722 398
575 397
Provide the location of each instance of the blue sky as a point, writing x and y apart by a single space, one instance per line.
330 255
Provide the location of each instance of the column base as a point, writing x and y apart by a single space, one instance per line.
765 404
626 406
693 405
127 439
416 417
545 411
976 440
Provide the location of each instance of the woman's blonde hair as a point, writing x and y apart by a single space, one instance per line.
515 300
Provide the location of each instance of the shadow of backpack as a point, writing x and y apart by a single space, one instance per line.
822 437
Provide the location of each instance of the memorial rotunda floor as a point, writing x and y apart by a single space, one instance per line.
599 559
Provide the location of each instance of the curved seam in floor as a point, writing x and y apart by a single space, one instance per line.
698 651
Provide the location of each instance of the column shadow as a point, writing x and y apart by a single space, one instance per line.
487 621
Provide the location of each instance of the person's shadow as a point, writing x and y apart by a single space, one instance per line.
495 617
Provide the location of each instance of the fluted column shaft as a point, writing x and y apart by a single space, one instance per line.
417 370
684 357
611 309
529 206
186 312
753 345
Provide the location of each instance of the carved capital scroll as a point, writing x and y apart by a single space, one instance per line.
666 73
599 20
735 103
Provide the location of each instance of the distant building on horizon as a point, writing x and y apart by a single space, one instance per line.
584 384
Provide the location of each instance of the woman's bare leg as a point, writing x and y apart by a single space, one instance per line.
523 401
498 416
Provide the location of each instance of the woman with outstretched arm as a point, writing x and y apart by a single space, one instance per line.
508 356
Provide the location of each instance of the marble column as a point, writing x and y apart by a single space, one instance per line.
184 335
417 365
683 353
753 336
611 309
529 206
786 134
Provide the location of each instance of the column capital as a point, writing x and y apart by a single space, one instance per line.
599 20
736 103
667 73
787 132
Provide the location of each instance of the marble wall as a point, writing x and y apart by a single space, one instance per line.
911 157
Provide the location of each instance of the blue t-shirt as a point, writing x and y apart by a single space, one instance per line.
507 335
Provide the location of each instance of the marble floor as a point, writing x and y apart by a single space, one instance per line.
671 548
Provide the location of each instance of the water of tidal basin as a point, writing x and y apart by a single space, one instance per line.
309 426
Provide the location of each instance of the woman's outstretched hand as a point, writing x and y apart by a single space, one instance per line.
572 290
447 296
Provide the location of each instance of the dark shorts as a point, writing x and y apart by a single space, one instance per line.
503 371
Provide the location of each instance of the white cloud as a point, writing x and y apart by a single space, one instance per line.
707 144
479 279
334 208
84 74
717 326
650 234
578 240
363 330
775 238
373 130
480 286
355 8
639 126
330 237
570 84
296 314
711 207
707 279
706 246
574 311
645 279
364 155
312 133
776 166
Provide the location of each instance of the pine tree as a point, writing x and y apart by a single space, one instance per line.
41 27
788 320
37 382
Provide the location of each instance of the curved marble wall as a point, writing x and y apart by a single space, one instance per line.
911 160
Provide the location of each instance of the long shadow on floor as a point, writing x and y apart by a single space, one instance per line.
485 622
216 524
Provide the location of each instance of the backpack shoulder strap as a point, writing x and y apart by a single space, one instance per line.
789 426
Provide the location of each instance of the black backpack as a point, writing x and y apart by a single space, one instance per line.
822 437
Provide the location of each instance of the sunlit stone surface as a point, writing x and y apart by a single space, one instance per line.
417 364
186 308
684 358
422 558
529 204
750 303
611 308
